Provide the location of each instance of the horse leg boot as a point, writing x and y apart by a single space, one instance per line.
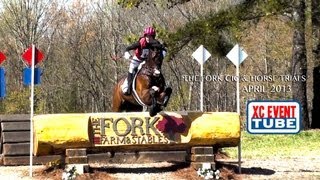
153 110
168 92
129 79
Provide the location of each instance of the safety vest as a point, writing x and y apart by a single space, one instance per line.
142 52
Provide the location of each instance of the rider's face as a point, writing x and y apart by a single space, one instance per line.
149 38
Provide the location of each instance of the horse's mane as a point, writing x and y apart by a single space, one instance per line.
158 47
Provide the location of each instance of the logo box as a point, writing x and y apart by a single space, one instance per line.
273 117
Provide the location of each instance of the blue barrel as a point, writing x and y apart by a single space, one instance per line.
27 76
2 83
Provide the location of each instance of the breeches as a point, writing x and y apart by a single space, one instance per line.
134 64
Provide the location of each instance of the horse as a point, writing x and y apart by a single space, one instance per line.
150 87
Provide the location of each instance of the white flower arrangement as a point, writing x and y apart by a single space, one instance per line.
70 174
208 173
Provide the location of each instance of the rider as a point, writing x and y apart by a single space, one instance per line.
141 52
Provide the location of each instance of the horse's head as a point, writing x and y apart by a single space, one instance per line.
155 58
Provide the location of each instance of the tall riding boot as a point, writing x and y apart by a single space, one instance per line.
129 79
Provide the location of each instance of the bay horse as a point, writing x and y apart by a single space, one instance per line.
149 86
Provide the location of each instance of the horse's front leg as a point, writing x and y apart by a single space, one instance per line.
146 97
153 108
149 98
165 96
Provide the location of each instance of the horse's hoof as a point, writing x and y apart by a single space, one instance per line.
152 113
168 90
166 100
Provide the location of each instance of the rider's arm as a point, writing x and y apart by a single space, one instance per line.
133 46
126 54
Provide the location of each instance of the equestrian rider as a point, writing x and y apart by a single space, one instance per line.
141 52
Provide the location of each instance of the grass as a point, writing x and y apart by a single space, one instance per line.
305 143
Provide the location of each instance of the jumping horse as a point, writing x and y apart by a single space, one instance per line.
150 89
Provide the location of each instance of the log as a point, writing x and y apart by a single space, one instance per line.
16 136
134 131
15 118
220 128
54 133
15 126
16 149
25 160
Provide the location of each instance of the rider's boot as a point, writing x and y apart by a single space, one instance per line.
129 79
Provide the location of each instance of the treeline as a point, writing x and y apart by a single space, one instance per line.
78 39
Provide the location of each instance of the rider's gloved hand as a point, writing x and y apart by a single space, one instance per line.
164 53
127 55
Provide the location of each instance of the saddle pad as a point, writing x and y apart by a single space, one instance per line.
135 94
124 85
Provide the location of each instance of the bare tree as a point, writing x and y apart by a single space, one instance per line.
24 23
299 59
316 59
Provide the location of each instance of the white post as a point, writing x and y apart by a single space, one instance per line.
236 55
238 91
201 88
238 105
31 107
201 55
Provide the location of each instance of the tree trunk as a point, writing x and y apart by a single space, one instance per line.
316 58
299 60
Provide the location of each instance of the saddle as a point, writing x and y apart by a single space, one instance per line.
124 85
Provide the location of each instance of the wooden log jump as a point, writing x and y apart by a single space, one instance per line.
15 141
54 133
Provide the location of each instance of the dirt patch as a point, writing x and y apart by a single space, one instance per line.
272 168
277 168
55 174
163 170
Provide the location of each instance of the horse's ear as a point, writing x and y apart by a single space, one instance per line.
157 46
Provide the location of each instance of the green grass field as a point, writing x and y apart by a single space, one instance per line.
306 143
